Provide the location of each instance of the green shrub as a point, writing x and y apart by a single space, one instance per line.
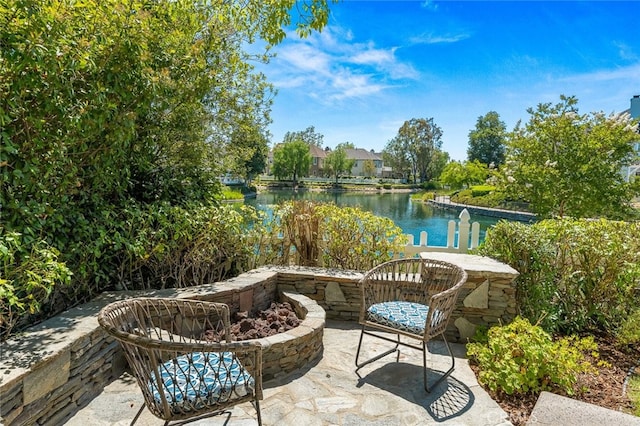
629 331
27 280
480 190
231 194
173 246
522 358
327 235
575 275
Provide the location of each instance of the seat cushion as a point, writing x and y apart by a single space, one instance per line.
405 316
201 378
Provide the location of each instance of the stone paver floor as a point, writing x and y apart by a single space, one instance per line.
329 392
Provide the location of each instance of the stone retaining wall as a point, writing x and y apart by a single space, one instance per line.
55 368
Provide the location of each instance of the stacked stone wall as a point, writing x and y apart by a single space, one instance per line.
54 369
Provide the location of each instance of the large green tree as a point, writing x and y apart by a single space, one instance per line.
337 161
308 135
487 140
569 164
456 174
291 160
414 147
107 100
112 109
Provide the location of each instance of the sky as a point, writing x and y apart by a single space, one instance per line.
380 63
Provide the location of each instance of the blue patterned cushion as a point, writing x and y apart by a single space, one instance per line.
405 316
209 377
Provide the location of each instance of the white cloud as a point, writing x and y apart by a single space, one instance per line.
431 38
335 68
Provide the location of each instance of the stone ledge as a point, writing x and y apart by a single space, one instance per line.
552 409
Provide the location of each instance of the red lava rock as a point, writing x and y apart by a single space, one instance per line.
280 317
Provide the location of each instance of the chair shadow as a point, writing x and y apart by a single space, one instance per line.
448 400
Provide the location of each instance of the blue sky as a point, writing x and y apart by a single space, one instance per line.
379 63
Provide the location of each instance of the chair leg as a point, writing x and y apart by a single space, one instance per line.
135 419
425 370
377 357
256 405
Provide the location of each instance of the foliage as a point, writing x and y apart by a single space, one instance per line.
327 235
308 136
337 162
568 164
483 198
174 246
27 280
114 112
413 149
629 331
291 159
231 194
487 140
634 393
575 275
457 175
522 358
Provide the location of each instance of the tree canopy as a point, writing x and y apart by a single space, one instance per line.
291 160
487 140
569 164
308 135
337 162
413 149
113 111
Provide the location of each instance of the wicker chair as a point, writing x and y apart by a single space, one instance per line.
413 298
183 373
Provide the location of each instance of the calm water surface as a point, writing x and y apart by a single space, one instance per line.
411 216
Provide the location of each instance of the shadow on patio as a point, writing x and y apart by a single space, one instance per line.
328 392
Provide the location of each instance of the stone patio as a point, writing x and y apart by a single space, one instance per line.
329 392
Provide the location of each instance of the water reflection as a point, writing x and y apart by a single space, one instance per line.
412 217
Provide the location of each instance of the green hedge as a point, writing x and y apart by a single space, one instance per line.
575 275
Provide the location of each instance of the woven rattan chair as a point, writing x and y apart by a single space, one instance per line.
182 372
412 298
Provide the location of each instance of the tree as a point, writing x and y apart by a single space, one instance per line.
456 174
307 135
106 101
440 161
113 109
291 159
414 147
566 163
487 140
369 168
337 162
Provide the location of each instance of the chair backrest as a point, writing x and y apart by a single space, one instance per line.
429 282
153 331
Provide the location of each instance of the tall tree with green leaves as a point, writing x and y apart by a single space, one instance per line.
308 135
414 147
487 140
569 164
112 109
291 160
458 174
337 161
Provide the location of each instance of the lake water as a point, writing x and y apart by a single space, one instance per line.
411 216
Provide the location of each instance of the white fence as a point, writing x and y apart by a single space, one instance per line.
465 229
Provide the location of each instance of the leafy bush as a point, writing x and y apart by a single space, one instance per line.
629 331
27 281
173 246
480 190
327 235
523 358
575 275
231 194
